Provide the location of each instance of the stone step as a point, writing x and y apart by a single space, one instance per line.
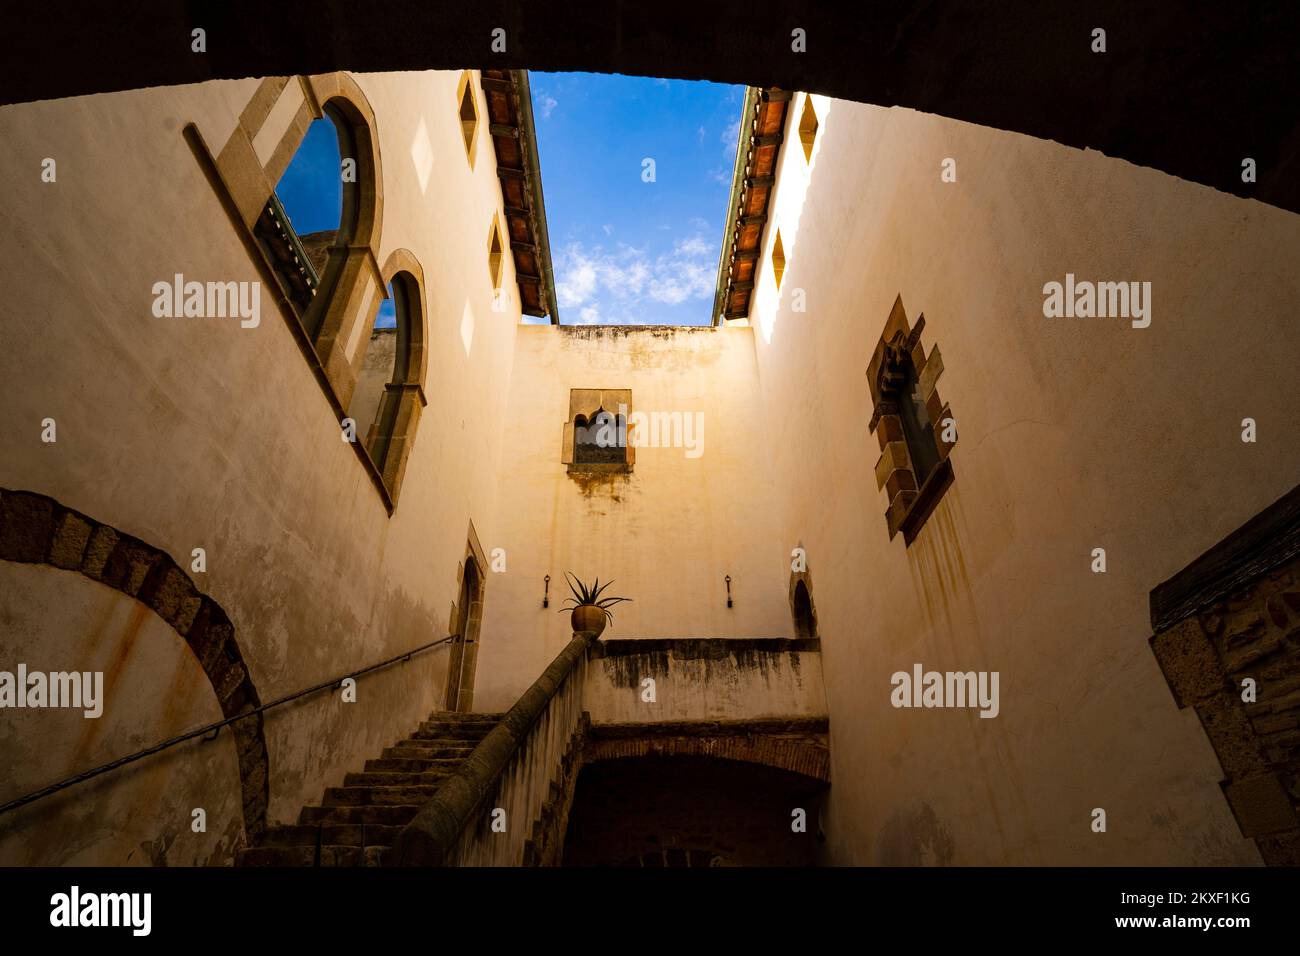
355 822
307 856
410 752
459 746
445 731
410 765
331 834
460 717
376 796
395 778
397 815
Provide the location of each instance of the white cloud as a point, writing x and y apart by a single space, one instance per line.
578 280
731 135
597 282
546 104
609 230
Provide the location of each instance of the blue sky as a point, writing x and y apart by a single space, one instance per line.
311 191
627 251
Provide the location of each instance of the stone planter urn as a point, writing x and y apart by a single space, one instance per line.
588 617
590 611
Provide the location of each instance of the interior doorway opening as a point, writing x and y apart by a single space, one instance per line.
467 619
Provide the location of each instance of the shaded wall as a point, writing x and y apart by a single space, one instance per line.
199 433
141 815
1073 434
703 680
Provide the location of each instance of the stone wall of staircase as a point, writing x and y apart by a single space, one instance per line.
532 788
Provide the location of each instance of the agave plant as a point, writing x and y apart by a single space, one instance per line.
589 596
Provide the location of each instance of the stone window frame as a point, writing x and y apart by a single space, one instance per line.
909 505
404 397
464 655
587 402
244 173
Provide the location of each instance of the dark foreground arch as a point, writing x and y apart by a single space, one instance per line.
1190 89
36 529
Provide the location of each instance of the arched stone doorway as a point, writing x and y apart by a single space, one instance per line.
685 810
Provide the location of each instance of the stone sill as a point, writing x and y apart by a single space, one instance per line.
927 499
600 468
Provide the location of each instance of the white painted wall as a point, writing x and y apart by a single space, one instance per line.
198 433
1073 434
667 535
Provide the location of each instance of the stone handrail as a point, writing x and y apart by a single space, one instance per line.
511 770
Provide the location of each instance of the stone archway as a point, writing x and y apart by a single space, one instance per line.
691 810
37 529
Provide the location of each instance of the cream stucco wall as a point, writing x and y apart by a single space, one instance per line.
1073 434
153 688
667 534
198 433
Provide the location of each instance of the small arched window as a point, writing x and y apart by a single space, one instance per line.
600 439
389 394
312 216
597 433
805 620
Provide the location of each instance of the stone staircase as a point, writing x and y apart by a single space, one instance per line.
355 824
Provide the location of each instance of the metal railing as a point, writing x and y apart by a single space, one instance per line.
212 729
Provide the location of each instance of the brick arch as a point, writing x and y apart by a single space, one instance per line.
37 529
792 747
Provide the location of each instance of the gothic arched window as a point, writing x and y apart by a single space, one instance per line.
600 439
597 433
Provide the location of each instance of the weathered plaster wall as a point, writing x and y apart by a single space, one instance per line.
55 620
198 433
698 680
1073 434
667 534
